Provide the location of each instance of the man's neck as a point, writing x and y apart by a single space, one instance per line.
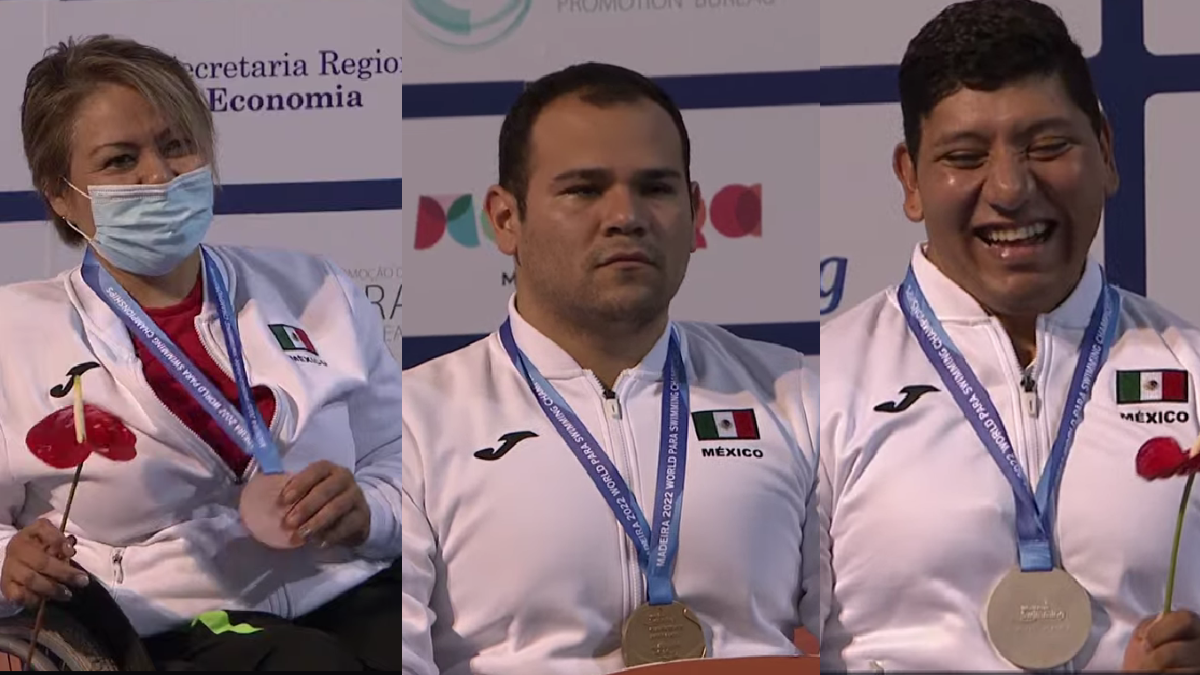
606 353
165 291
1022 331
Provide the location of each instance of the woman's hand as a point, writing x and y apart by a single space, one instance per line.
36 566
326 505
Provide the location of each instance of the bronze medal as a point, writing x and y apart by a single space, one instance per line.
656 634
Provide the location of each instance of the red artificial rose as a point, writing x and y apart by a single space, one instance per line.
53 439
1164 458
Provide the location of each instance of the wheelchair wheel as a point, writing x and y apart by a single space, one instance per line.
63 643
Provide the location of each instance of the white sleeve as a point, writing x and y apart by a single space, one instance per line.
417 566
815 528
825 516
825 559
375 425
12 500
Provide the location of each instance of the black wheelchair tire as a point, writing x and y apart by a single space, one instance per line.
62 636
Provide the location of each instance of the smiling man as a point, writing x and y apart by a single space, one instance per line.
546 528
979 504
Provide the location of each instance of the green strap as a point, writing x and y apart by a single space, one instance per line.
218 622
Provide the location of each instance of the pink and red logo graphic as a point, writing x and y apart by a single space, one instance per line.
734 211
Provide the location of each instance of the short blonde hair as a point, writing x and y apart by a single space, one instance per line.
69 73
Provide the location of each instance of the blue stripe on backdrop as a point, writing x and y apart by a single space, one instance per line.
20 206
690 92
262 198
804 337
1126 74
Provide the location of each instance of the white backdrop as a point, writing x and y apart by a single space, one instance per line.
1146 60
310 157
745 73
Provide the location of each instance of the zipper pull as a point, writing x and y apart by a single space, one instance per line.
1029 395
118 557
611 405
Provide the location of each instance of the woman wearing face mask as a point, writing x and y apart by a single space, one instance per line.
242 500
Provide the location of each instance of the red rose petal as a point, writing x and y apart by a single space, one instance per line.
121 446
1163 457
108 435
53 439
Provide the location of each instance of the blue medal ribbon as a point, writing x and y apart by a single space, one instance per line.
656 548
1034 512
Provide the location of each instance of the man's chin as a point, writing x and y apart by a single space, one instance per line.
629 304
1024 296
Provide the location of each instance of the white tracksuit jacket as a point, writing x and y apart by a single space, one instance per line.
162 532
517 566
918 521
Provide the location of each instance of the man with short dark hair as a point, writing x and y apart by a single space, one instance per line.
978 493
545 524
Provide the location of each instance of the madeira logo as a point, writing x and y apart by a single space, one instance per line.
466 25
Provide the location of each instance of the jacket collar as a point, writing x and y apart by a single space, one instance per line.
952 304
555 363
101 320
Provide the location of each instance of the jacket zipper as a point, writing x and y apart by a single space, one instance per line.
616 434
1029 395
118 556
1029 408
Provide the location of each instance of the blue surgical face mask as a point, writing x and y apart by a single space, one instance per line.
149 230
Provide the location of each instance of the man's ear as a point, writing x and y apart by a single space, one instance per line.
904 165
504 216
697 215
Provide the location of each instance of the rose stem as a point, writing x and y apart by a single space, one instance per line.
1183 504
80 438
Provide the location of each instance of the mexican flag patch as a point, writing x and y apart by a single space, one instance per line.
293 339
715 425
1152 386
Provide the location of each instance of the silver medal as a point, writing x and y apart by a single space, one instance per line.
1039 620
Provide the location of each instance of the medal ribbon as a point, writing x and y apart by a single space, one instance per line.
247 429
656 548
1033 511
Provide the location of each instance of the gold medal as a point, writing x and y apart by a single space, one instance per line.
655 634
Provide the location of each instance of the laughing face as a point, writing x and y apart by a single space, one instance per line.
1011 186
